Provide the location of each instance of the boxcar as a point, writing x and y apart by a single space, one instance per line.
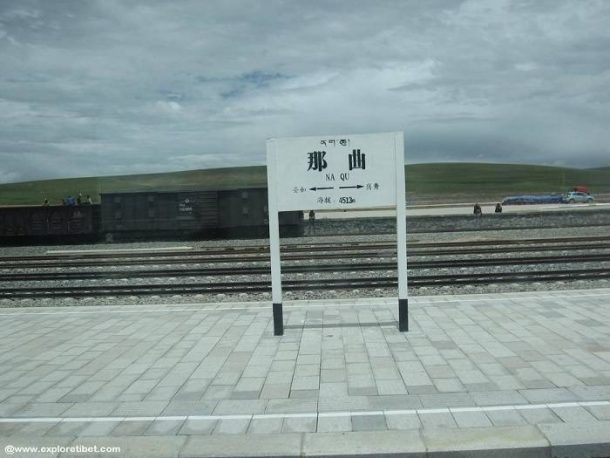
244 213
27 224
190 214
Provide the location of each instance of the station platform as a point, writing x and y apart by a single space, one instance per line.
513 374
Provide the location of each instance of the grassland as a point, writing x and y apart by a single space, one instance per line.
445 181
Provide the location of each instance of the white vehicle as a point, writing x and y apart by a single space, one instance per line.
573 197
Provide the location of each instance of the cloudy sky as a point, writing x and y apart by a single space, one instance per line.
104 87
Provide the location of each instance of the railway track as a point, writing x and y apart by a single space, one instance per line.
300 285
361 266
265 270
305 252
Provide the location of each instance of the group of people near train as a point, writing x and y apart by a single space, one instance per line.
71 201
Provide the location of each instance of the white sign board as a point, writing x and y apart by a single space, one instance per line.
334 172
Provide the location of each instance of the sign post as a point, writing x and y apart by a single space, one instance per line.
336 173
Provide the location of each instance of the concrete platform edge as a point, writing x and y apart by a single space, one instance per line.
545 440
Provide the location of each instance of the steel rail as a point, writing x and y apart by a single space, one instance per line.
564 243
316 256
263 270
297 285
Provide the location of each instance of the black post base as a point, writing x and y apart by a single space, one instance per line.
403 315
278 320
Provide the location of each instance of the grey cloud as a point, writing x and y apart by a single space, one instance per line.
107 86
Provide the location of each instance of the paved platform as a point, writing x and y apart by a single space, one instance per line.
522 374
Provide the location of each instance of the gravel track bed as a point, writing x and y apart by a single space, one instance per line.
330 294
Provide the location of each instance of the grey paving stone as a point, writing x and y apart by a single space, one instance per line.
369 422
250 384
164 427
506 382
333 375
333 363
275 391
242 445
377 443
7 429
332 389
422 389
448 385
42 409
232 426
537 416
8 409
217 392
391 387
441 372
197 427
67 429
299 425
513 441
291 406
30 429
546 395
600 412
307 370
347 403
279 377
143 446
471 419
394 402
265 426
99 428
305 383
139 409
333 424
232 407
437 419
496 398
131 428
304 394
402 421
574 414
91 409
282 366
446 400
510 417
591 393
574 440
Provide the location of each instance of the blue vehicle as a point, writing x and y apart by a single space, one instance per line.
533 199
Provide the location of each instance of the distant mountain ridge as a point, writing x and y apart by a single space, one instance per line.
480 181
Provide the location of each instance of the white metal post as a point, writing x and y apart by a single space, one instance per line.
274 242
401 234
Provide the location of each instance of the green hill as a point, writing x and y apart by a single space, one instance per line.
446 181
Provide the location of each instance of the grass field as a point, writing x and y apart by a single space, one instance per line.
445 181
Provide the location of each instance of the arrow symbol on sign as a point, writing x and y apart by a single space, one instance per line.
358 186
320 189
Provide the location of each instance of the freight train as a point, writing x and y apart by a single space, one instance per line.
149 215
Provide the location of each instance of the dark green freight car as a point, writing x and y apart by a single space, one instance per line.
200 214
49 224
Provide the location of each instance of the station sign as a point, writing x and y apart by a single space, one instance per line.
334 172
